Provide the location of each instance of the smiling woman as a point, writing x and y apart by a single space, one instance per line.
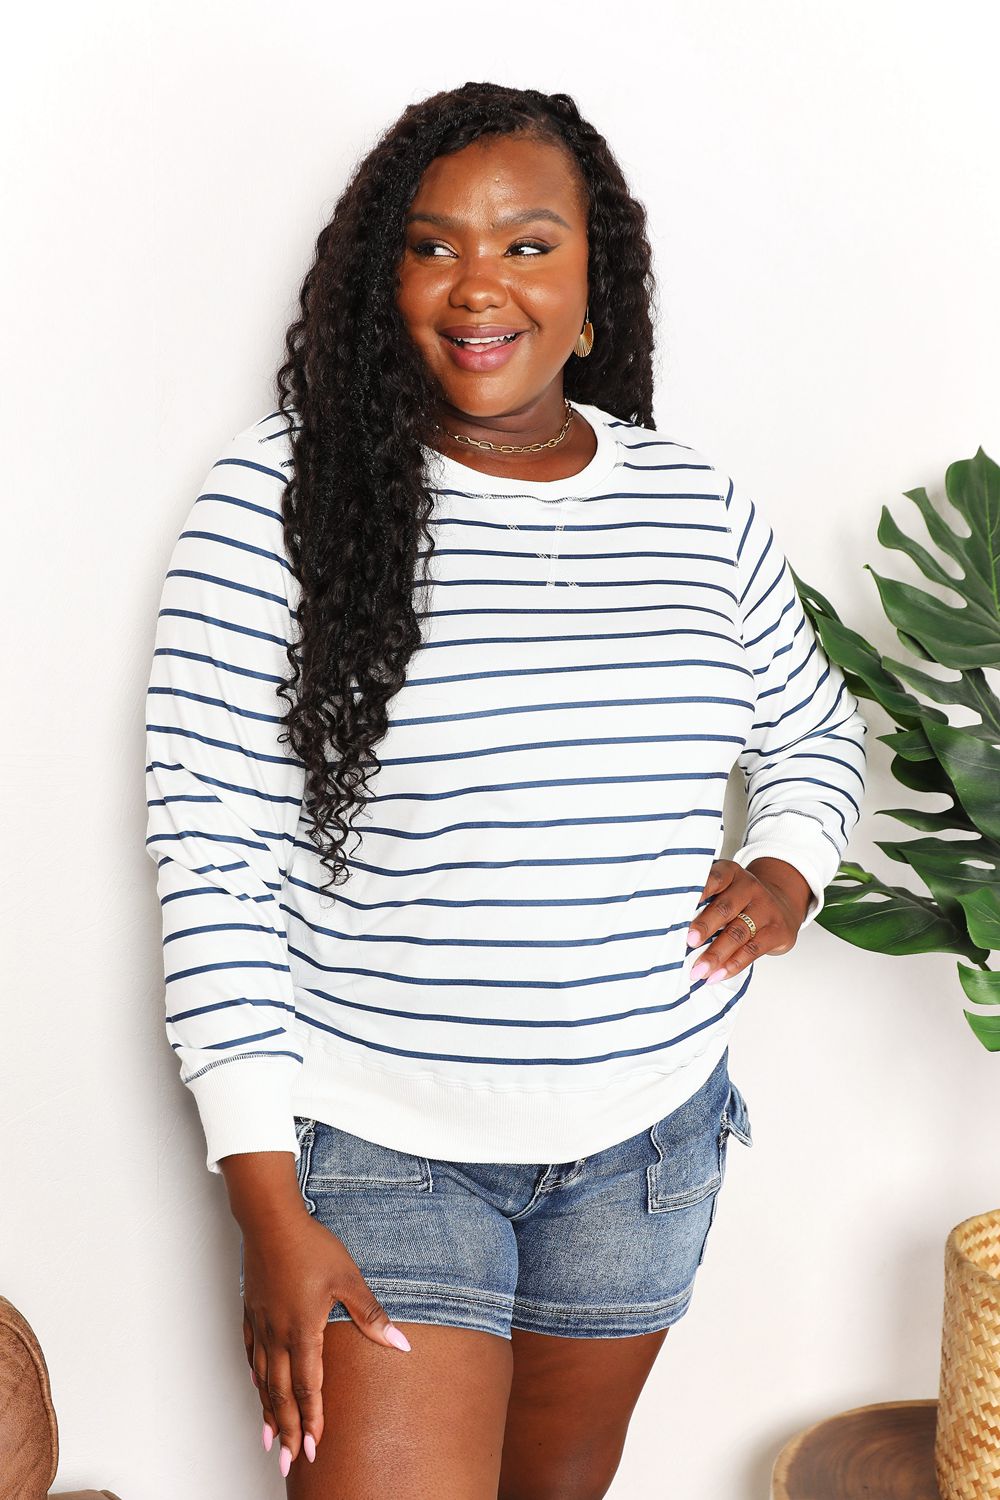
501 287
484 1093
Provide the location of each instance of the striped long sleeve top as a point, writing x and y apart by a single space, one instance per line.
505 974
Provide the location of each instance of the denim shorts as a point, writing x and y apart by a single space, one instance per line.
603 1247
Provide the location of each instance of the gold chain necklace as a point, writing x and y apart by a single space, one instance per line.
513 447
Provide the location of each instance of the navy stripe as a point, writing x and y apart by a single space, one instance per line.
521 1062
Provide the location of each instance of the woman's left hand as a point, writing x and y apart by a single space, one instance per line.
771 892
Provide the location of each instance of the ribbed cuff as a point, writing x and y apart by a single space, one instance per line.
246 1105
797 841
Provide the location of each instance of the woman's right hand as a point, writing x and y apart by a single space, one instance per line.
294 1270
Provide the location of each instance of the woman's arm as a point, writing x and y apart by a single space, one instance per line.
263 1190
804 760
224 798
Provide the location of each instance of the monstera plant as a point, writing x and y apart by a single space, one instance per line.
959 859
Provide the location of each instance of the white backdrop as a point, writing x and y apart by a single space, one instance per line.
821 185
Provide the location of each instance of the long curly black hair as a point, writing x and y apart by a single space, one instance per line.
360 401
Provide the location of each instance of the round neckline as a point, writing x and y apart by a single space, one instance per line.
451 474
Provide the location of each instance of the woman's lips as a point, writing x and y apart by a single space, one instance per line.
481 356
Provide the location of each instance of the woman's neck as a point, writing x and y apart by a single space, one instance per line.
572 455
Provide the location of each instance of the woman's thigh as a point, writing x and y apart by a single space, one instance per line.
568 1414
427 1423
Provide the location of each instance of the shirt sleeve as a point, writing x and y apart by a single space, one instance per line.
223 798
804 759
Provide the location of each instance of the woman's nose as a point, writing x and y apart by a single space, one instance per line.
478 285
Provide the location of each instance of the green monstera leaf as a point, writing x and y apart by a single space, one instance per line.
966 635
931 753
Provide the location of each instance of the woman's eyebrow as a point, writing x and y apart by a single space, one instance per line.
527 216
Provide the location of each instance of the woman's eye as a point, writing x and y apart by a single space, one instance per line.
426 248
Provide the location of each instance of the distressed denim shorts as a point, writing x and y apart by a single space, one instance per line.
603 1247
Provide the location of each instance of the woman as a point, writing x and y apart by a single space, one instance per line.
482 1093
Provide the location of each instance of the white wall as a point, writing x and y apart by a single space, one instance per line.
821 186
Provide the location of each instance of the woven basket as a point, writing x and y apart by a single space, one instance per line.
967 1439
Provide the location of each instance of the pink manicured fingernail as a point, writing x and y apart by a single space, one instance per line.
267 1438
309 1447
395 1336
284 1461
694 938
714 978
700 968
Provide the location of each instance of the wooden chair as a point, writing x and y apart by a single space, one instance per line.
29 1435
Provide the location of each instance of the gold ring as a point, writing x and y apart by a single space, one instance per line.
749 921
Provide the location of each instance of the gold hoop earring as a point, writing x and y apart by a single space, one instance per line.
585 342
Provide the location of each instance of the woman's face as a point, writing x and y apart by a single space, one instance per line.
496 242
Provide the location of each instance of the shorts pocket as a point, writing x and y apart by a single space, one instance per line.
689 1163
690 1168
684 1182
342 1162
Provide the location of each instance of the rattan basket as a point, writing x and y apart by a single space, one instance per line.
967 1440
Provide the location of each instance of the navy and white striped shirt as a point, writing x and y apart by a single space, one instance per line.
505 974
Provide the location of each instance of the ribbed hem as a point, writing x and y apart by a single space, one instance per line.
246 1105
799 843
